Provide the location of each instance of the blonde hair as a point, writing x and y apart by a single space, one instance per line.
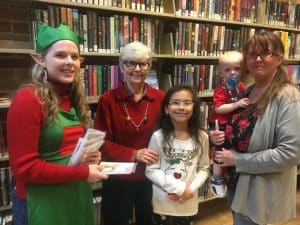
50 99
231 56
264 39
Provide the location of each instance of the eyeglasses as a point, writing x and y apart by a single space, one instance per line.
131 65
262 55
177 103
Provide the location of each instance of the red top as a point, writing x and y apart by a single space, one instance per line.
25 118
122 137
222 97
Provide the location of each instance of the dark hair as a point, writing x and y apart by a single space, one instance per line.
166 124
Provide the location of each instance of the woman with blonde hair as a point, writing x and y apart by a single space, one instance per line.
44 123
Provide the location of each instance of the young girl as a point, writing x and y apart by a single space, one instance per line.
183 158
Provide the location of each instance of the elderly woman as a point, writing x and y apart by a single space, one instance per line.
128 115
263 140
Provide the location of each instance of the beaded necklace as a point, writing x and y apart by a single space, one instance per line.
128 118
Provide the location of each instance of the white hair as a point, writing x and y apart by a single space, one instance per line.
135 51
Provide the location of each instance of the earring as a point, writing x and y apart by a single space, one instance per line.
45 78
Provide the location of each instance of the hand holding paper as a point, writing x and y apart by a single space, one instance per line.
90 143
113 168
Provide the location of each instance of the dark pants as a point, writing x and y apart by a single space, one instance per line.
121 197
19 210
172 220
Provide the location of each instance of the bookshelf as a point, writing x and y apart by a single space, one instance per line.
18 27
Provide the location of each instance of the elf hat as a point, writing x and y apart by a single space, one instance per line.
47 35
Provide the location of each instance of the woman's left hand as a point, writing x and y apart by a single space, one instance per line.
225 157
92 158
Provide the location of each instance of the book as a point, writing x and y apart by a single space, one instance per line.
114 168
91 142
152 79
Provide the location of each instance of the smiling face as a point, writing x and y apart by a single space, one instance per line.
62 62
135 63
263 54
180 107
135 71
262 64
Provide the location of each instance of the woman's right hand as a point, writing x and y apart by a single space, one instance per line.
146 155
96 174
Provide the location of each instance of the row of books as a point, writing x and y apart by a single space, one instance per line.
200 39
232 10
3 139
205 191
144 5
294 73
6 219
273 12
97 209
101 33
205 109
203 77
200 77
98 79
6 186
282 13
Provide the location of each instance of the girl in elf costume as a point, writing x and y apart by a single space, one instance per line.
44 123
183 158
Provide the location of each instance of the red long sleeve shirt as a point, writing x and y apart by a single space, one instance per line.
25 118
222 97
122 137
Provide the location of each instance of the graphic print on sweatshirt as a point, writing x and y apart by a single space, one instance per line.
179 160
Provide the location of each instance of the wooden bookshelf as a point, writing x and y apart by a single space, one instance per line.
4 105
16 51
237 23
168 8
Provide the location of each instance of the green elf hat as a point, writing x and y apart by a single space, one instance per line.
47 35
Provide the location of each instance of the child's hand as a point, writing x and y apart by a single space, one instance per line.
187 194
217 137
173 197
243 102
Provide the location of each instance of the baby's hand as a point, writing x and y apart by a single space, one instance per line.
243 102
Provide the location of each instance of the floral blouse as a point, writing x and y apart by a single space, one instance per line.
237 137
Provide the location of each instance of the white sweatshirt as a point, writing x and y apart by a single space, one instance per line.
170 174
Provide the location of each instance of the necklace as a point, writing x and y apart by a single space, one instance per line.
129 119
